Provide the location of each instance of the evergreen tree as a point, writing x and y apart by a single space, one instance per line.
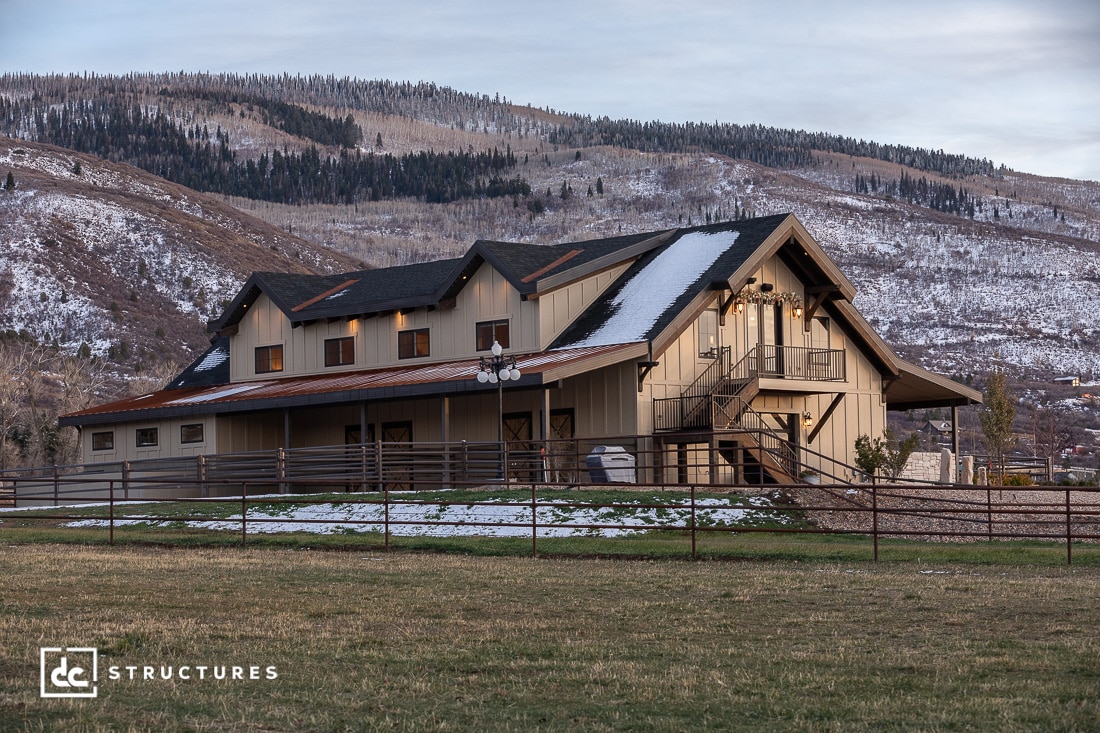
9 183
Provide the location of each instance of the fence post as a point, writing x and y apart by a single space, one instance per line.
126 480
989 511
280 469
693 522
378 467
56 484
534 522
386 507
111 510
874 515
244 513
363 466
1069 532
200 471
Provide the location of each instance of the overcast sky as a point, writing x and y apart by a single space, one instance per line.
1013 81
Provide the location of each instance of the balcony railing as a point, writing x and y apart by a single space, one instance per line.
798 362
690 411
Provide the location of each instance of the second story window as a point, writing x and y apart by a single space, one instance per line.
269 359
340 352
490 331
411 344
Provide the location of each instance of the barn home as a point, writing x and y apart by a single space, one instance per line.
738 339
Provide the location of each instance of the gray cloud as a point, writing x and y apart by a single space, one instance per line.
1014 81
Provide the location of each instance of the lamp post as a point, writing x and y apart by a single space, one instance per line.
498 369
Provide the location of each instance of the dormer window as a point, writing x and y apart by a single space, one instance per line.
411 344
269 359
490 331
340 351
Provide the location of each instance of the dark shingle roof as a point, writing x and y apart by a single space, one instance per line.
209 370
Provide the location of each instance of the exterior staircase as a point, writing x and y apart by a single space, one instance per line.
719 401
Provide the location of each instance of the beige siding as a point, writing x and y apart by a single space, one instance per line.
559 308
486 297
169 443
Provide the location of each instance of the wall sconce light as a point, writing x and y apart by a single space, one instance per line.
740 307
798 311
807 420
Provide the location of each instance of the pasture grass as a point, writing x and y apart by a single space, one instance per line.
365 640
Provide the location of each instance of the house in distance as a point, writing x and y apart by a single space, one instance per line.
658 341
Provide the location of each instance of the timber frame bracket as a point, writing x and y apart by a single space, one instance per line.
824 418
644 368
816 295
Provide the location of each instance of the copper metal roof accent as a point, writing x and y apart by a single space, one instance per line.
449 377
322 296
560 261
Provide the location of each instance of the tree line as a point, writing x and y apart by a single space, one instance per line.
768 146
939 196
153 141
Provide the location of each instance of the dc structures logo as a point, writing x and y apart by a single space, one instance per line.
68 671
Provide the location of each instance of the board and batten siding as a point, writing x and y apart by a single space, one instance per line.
557 309
487 296
169 440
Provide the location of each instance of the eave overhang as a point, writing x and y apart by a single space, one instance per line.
399 382
917 388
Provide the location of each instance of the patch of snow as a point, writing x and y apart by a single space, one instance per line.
471 520
212 360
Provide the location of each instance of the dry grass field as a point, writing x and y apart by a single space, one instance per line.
414 641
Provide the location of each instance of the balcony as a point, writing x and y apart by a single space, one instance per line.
706 403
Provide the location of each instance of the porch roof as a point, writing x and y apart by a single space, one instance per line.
404 381
918 388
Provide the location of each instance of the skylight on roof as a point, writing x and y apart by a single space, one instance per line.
654 288
216 394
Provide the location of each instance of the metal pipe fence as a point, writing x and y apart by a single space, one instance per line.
541 510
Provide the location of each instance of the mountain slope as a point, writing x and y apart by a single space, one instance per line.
1013 277
105 255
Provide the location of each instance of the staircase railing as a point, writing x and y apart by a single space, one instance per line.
733 412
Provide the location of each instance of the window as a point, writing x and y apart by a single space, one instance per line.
708 334
191 433
411 344
147 437
339 352
490 331
103 441
269 359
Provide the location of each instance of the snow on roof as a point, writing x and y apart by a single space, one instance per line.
212 359
656 286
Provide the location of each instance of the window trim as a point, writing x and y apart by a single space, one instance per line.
493 325
268 350
338 345
154 432
414 334
110 440
202 433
